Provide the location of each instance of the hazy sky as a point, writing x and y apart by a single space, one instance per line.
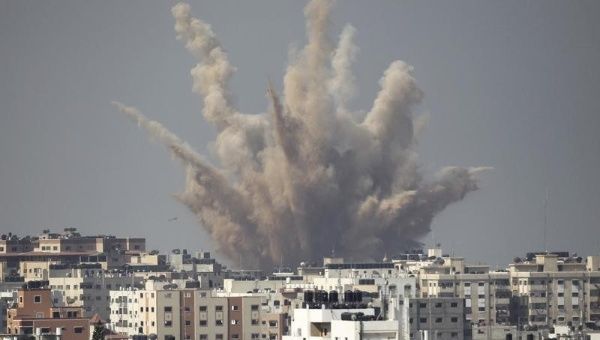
510 84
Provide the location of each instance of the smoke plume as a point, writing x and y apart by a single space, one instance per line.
308 176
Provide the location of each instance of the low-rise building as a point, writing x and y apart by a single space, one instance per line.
35 313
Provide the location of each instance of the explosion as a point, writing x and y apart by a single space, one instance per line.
308 176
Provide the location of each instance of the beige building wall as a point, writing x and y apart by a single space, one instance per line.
35 270
168 314
211 317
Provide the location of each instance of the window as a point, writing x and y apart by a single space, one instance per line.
203 323
438 320
422 305
203 336
438 305
219 336
423 320
168 309
234 322
203 308
254 307
219 322
234 307
37 299
454 304
78 330
454 319
219 308
168 323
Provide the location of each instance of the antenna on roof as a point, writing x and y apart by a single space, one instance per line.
546 197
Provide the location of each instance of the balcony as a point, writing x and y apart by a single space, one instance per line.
537 288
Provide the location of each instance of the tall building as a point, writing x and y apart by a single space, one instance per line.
556 289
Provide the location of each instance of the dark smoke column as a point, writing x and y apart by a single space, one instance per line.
307 176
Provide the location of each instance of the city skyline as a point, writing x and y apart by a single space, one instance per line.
515 91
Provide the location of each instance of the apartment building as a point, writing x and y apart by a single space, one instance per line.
200 266
487 295
441 318
6 299
11 244
167 311
146 312
72 241
67 247
348 323
556 289
88 286
35 313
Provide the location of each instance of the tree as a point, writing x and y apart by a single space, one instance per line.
99 331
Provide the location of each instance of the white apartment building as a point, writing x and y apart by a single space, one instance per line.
146 312
341 324
87 286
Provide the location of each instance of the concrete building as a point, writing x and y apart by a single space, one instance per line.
555 289
67 247
200 266
88 286
325 323
146 312
35 313
440 318
487 295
